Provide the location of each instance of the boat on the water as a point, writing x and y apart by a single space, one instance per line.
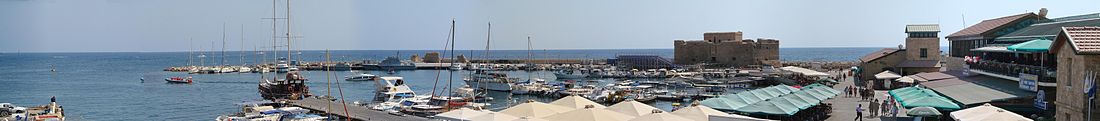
569 74
393 63
483 79
293 87
179 80
361 77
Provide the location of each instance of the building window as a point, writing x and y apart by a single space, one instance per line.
713 59
923 52
733 58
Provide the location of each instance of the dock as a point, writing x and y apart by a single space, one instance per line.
356 112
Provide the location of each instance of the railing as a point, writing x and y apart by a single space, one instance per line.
1013 70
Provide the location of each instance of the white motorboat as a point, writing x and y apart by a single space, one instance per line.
569 74
482 79
533 85
361 77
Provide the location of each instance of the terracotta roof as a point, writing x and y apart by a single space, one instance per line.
1083 40
989 25
878 54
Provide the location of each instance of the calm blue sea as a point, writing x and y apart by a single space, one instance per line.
107 86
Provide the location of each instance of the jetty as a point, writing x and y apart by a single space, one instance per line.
353 112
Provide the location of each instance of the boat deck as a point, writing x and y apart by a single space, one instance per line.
357 112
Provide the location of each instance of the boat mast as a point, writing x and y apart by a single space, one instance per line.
190 51
488 36
223 45
450 76
288 38
274 37
242 45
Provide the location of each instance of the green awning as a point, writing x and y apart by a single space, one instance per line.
1037 45
770 107
799 102
723 103
910 97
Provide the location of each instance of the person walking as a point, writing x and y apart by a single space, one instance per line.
859 112
874 108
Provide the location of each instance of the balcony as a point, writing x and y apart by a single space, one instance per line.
1012 71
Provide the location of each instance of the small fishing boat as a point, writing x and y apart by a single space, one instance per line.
178 80
569 74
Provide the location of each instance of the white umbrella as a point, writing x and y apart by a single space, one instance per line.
699 112
657 115
987 113
529 119
535 110
905 79
589 114
576 102
632 108
462 114
491 116
887 75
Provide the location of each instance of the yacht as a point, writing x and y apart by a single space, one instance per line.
569 74
392 94
361 77
282 66
532 85
483 79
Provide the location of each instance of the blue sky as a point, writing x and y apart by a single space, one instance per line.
166 25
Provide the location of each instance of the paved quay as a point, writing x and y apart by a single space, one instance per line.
844 107
357 112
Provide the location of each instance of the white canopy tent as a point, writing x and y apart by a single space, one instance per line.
534 109
987 113
804 71
576 102
492 116
590 114
658 116
632 108
461 114
887 75
905 79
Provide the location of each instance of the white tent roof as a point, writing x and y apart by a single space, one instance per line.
462 114
632 108
660 117
576 102
699 113
905 79
804 71
535 110
589 114
529 119
887 75
492 116
987 113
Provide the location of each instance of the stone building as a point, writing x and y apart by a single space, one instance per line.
432 57
1078 53
920 54
727 49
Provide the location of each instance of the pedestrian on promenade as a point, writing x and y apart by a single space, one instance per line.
848 91
859 112
884 107
874 107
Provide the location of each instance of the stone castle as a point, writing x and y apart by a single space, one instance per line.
727 49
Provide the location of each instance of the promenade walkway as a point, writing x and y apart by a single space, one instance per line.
844 107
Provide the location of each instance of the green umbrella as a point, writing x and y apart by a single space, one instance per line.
923 112
1037 45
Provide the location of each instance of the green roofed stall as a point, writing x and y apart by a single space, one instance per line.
1037 45
773 100
911 97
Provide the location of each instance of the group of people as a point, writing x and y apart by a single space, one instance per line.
864 94
875 106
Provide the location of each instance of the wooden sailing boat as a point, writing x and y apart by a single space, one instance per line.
293 86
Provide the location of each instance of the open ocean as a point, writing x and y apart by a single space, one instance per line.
107 86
